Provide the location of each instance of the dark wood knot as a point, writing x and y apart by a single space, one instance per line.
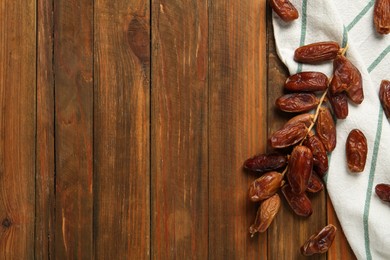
6 223
139 40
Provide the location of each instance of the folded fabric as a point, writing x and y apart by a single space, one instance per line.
365 219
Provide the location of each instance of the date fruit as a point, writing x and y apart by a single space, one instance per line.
320 242
320 158
288 135
265 186
284 9
339 103
300 168
317 52
356 150
307 81
326 129
346 77
384 96
265 214
315 184
383 191
299 203
265 162
382 16
306 118
297 102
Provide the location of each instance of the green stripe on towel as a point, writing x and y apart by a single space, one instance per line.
360 15
303 30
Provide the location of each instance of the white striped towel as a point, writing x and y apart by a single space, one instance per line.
364 218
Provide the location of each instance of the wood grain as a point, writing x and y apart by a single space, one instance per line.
179 129
237 120
73 60
45 162
17 128
289 231
121 127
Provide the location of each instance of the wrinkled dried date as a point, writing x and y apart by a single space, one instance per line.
326 129
284 9
297 102
265 186
299 203
320 158
346 77
382 16
300 168
317 52
384 96
315 184
320 242
265 214
339 103
383 191
306 118
356 150
265 162
288 135
307 81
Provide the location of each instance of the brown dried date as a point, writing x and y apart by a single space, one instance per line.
306 118
288 135
326 129
383 191
300 168
346 77
382 16
384 96
339 103
315 184
356 150
317 52
299 203
265 162
265 186
320 158
307 81
297 102
284 9
265 214
320 242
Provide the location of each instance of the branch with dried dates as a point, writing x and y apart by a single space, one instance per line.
311 136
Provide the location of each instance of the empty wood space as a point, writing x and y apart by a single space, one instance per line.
124 125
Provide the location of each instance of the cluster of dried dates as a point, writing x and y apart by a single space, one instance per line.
310 136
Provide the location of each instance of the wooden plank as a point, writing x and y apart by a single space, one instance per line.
17 128
288 232
121 127
237 123
179 129
340 248
45 163
73 58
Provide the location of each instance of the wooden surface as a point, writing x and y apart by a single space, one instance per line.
124 125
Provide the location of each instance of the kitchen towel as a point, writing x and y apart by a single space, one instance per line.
365 219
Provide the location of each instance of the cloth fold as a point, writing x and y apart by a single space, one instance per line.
363 216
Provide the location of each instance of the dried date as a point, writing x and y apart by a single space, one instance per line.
307 81
306 118
356 151
317 52
382 16
265 214
326 129
265 186
261 163
346 77
320 242
297 102
339 103
384 96
383 191
320 158
285 10
299 203
300 168
288 135
315 184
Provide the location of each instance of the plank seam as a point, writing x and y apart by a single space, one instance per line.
53 239
36 126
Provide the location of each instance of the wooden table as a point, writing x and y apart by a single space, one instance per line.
124 125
